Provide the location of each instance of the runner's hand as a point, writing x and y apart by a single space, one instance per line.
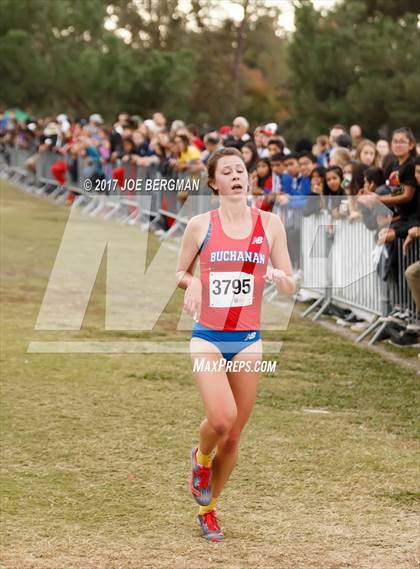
284 283
192 297
274 275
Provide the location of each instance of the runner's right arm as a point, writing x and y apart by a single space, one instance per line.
188 254
185 269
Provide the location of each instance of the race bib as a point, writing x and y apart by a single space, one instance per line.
231 289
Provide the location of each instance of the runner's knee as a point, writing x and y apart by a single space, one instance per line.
223 421
231 442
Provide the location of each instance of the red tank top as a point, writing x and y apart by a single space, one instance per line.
231 273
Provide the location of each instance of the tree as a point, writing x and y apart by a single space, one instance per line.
54 67
74 64
151 24
354 64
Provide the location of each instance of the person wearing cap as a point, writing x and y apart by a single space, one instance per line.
51 135
272 128
96 119
64 123
95 122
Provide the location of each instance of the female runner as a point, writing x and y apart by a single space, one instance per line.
234 243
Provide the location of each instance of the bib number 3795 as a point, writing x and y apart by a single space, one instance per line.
230 289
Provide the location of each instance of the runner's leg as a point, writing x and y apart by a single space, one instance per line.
244 388
217 396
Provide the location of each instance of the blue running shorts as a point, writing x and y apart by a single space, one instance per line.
228 343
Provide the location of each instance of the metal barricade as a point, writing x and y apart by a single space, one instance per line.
400 294
292 219
16 159
355 281
316 241
78 185
140 203
339 256
335 257
401 302
180 211
151 204
44 163
346 268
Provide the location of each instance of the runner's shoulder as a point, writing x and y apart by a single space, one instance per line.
197 226
199 221
200 218
270 220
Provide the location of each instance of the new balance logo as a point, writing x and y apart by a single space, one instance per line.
250 336
257 240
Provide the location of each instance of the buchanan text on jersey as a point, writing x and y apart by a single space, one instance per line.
240 256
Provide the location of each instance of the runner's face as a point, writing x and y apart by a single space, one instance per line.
231 176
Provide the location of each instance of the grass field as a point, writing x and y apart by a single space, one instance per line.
95 448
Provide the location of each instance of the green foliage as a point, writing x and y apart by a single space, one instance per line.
347 66
358 62
63 56
75 64
162 81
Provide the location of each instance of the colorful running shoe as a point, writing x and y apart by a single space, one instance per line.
210 527
200 481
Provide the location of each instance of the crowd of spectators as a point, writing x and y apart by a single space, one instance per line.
376 182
